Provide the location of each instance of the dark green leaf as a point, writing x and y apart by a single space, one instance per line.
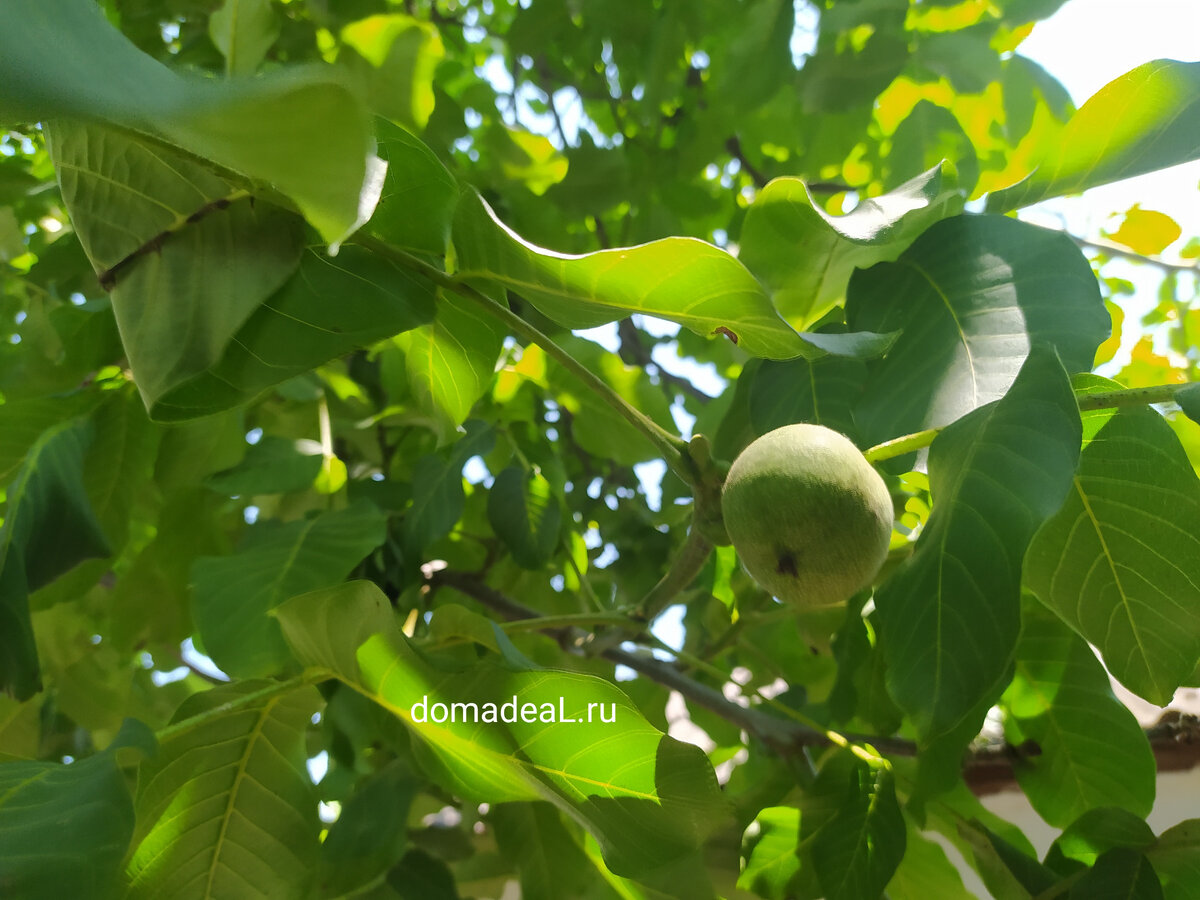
63 828
823 392
857 830
419 876
48 528
525 515
437 488
1119 874
970 298
331 306
1176 860
272 466
370 833
247 250
951 616
417 204
1100 830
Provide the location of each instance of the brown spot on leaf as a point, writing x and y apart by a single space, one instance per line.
721 329
787 564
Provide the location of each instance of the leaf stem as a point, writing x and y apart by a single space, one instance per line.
1158 393
684 568
671 446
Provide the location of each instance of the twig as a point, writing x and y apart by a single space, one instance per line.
1158 393
1112 248
734 146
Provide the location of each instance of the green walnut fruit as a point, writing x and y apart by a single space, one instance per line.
808 515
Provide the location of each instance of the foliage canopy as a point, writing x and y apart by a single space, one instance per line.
296 371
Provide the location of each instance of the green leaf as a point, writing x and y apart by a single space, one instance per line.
119 462
925 872
804 256
950 617
929 134
416 180
823 392
233 594
243 31
774 867
48 528
1136 600
226 808
1120 874
970 297
649 800
329 307
274 465
63 828
437 499
857 831
301 130
370 833
595 425
1176 859
551 864
403 53
1100 830
681 279
421 876
1009 872
161 200
1143 121
451 363
1188 399
1060 699
525 515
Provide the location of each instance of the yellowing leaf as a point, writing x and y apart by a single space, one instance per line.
1146 231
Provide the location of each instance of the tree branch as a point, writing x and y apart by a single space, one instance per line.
1175 739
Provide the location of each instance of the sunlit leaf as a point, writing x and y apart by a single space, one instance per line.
226 808
681 279
804 256
1146 231
648 799
1060 699
451 362
1142 121
403 53
1120 562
